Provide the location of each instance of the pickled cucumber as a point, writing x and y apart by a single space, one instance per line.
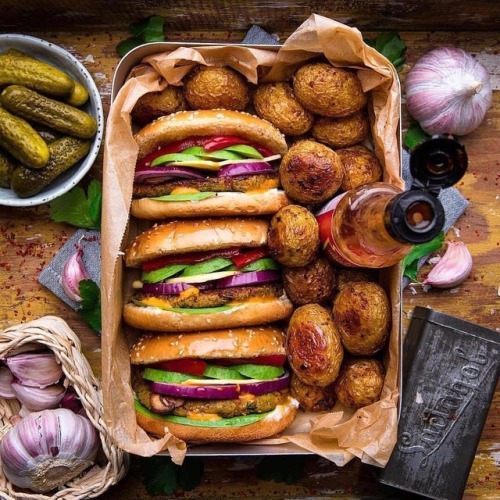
22 141
57 115
78 96
64 153
7 166
34 74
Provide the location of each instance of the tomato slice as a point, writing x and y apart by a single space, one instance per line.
173 147
190 366
271 360
189 258
243 259
223 141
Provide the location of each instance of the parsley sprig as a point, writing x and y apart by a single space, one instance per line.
391 46
145 31
410 262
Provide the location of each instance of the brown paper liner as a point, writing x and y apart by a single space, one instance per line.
369 433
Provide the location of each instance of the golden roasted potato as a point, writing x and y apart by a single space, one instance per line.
293 236
360 382
342 132
314 349
276 103
213 87
360 165
326 90
311 284
347 275
152 105
312 397
362 314
310 172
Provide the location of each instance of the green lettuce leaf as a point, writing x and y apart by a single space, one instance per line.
391 46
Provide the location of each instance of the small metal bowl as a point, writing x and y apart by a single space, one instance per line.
60 58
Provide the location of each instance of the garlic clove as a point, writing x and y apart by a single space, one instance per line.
72 402
74 271
35 369
36 398
46 449
454 267
6 379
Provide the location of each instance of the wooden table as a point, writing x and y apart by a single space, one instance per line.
29 240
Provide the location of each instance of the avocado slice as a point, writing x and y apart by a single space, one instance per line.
244 150
167 377
239 421
162 273
260 372
185 310
186 197
261 265
171 157
207 266
222 373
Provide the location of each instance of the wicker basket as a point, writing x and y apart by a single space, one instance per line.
54 333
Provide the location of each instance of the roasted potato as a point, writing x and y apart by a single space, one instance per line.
312 397
276 103
362 314
213 87
310 172
326 90
152 105
293 236
360 382
314 349
360 166
311 284
342 132
348 275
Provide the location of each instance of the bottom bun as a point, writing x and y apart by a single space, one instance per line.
267 202
246 314
279 420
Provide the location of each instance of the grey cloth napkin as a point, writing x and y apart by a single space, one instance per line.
90 241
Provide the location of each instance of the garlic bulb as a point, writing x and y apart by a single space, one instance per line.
46 449
35 369
448 92
74 271
6 380
35 398
453 268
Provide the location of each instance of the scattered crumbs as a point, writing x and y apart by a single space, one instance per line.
455 290
97 350
456 230
434 260
418 398
89 58
426 288
413 291
492 312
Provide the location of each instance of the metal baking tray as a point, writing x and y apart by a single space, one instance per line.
122 71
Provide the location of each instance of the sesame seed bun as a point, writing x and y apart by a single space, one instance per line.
212 344
195 235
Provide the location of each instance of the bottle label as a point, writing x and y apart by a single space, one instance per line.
328 243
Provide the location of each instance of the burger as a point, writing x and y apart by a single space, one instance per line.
208 163
204 274
214 386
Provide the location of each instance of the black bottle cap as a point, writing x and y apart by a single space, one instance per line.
438 163
414 217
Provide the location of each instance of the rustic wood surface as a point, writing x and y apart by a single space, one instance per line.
29 240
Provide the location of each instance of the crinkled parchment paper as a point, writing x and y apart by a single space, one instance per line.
369 433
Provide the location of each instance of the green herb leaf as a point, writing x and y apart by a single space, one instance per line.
77 209
190 473
281 469
391 46
414 136
90 306
159 475
410 262
145 31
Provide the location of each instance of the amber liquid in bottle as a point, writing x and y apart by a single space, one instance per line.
355 228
